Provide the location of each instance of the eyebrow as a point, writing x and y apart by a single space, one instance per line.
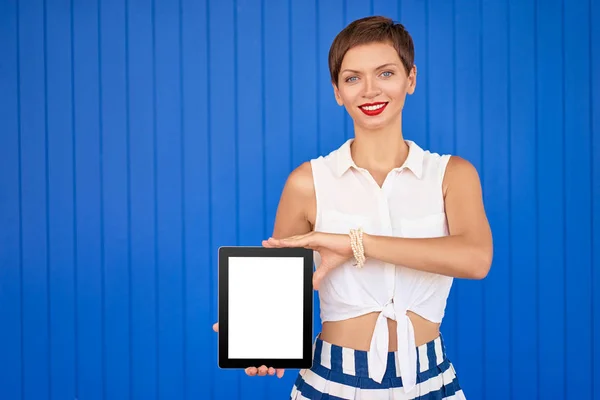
380 67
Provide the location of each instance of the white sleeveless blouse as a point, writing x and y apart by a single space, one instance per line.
409 204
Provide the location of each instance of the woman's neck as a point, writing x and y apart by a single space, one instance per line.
381 150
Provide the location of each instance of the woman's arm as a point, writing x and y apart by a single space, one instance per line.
297 196
466 252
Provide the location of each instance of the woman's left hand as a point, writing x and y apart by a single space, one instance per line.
334 249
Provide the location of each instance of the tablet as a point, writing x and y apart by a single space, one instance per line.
265 307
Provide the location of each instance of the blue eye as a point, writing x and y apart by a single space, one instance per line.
350 78
387 72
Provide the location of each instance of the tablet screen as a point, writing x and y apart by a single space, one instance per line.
265 307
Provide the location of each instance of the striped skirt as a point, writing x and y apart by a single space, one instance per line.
340 373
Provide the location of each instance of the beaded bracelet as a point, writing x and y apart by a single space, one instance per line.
356 241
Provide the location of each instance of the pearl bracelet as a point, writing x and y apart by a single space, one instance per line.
356 241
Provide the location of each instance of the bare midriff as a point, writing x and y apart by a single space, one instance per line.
356 333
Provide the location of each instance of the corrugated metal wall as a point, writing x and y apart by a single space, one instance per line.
138 136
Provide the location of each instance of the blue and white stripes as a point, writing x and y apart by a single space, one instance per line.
342 373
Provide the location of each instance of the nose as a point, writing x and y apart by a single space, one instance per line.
371 89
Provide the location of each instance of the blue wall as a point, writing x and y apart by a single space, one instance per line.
137 136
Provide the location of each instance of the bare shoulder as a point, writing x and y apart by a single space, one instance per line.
461 175
464 203
300 181
463 197
296 209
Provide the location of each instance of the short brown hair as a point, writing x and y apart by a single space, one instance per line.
370 30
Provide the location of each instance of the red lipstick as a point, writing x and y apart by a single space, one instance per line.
372 109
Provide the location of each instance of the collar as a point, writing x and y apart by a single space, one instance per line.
414 161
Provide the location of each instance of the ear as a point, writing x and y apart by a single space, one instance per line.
412 80
336 93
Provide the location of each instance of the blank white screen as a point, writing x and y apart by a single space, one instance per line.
266 307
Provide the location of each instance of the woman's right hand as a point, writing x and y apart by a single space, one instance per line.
260 371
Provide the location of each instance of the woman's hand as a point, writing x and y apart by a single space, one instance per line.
334 249
260 371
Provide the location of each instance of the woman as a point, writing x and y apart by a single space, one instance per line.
391 224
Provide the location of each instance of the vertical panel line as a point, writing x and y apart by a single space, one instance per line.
509 197
318 74
155 194
344 113
20 158
427 75
236 144
291 83
74 183
264 116
184 345
399 11
454 124
564 200
128 166
592 190
537 197
236 126
482 157
212 278
155 210
47 203
101 175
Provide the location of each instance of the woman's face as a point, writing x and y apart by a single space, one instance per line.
373 85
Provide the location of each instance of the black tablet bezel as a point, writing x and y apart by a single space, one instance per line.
307 335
